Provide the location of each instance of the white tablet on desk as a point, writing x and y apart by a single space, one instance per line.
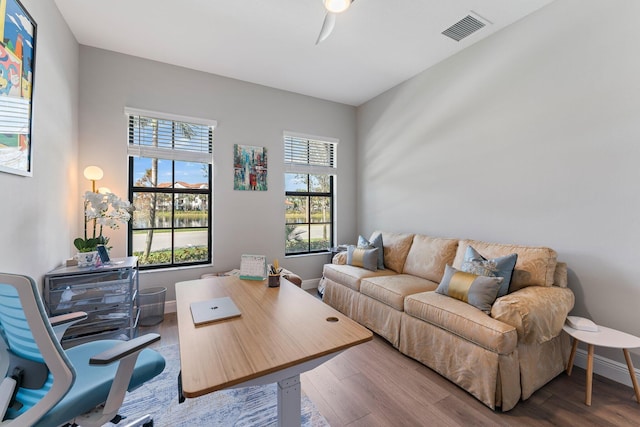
213 310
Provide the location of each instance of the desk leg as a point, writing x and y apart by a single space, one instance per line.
572 356
589 374
632 372
289 405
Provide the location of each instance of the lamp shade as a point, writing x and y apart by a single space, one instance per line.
337 6
93 173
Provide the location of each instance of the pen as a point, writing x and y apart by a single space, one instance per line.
275 269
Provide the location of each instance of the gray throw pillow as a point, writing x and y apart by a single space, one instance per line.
497 267
374 242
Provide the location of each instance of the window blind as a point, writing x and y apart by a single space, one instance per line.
309 154
161 136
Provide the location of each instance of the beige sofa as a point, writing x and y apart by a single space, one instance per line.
499 358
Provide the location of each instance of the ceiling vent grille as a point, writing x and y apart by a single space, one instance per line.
463 28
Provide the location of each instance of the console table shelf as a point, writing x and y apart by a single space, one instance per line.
108 295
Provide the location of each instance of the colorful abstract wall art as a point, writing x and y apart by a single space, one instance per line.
17 61
249 168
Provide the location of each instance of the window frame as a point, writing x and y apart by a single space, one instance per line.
309 194
309 167
173 156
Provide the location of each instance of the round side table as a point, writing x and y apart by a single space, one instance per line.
604 337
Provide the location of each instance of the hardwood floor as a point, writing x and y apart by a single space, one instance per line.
375 385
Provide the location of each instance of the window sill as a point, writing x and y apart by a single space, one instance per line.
307 255
181 268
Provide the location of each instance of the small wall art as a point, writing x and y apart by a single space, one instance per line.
17 61
249 168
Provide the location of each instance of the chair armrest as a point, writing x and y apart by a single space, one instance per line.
61 323
537 312
7 386
125 349
126 354
67 318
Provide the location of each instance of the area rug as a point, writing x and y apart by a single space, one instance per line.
242 407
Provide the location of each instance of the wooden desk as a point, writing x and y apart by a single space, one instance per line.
282 332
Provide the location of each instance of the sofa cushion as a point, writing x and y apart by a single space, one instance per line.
349 275
396 248
391 290
376 242
502 266
479 291
361 257
560 275
535 265
463 320
428 256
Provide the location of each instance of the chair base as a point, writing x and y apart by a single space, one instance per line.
145 421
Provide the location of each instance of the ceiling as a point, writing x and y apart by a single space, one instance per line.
375 45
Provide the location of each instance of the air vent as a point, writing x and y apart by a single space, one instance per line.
463 28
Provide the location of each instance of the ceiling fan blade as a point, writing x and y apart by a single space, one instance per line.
327 26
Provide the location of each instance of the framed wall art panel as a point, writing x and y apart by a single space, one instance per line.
17 62
249 168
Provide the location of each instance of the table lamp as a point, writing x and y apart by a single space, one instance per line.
93 174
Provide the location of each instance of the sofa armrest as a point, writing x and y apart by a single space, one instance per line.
537 312
340 258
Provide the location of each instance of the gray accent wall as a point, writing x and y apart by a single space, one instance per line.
38 214
531 136
244 221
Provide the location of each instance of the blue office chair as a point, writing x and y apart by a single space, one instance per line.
46 386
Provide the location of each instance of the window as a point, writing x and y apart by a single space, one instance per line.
170 169
309 193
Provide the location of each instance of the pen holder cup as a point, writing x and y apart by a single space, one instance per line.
274 280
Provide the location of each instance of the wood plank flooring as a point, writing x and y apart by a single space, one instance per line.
375 385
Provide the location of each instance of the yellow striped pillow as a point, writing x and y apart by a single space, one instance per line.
363 257
479 291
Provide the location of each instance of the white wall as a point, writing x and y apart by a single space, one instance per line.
531 136
244 221
38 213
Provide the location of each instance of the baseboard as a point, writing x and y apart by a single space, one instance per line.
310 284
170 306
607 368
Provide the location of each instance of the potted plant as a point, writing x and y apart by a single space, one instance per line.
101 210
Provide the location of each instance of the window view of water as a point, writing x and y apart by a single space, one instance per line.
180 222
